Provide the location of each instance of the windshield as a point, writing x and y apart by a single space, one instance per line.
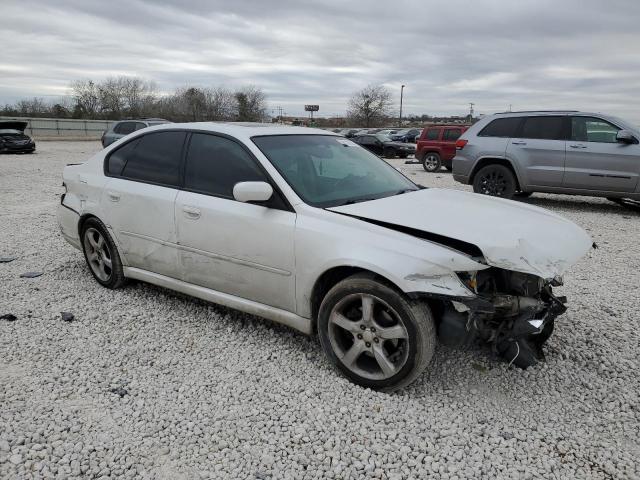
327 171
383 137
9 131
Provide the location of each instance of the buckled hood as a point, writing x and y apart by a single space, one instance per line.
13 125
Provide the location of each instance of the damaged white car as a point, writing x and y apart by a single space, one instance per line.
308 229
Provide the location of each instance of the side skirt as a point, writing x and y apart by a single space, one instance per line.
248 306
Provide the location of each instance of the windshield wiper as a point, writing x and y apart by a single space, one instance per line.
405 190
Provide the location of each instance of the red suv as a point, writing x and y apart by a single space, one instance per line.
436 146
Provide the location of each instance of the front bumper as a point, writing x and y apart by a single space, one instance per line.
17 148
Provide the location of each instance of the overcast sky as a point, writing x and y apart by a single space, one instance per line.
578 54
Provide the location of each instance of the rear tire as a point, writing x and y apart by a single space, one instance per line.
101 254
431 162
374 335
495 180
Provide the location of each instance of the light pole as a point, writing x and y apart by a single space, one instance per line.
401 94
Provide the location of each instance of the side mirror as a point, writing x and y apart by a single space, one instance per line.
625 136
252 191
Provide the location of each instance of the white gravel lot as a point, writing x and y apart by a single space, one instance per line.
208 392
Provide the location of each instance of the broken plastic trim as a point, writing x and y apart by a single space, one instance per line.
453 243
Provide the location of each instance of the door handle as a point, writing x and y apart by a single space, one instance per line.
113 196
191 212
578 146
519 143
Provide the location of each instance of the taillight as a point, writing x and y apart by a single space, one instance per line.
460 143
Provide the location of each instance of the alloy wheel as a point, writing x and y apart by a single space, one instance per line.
493 183
98 254
431 163
368 336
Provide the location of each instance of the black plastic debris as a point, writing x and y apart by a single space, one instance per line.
31 274
67 316
9 317
7 259
121 391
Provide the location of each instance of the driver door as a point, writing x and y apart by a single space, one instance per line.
242 249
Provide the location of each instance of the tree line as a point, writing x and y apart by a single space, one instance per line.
117 98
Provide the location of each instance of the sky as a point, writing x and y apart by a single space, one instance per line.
527 54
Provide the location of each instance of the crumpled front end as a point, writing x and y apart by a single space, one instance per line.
513 312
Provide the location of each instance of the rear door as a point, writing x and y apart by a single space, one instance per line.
597 161
138 200
242 249
449 137
539 150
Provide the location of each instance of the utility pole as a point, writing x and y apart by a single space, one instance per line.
401 94
471 104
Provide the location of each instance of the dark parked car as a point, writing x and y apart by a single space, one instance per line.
436 146
125 127
406 135
385 147
13 139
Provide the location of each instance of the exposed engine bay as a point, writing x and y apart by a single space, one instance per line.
513 312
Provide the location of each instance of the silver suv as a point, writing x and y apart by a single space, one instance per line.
119 129
518 153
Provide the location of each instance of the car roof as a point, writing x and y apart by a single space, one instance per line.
243 129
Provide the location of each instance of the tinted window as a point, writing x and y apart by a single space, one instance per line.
545 128
117 160
156 159
452 134
501 127
215 164
140 126
125 128
590 129
432 134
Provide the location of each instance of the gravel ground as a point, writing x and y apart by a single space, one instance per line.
146 383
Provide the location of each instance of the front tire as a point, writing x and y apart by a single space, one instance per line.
431 162
374 335
495 180
389 153
101 254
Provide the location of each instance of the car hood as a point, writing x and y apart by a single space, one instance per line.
13 125
511 235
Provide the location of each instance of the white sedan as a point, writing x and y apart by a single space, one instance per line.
306 228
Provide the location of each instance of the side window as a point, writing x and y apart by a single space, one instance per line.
544 128
156 159
215 164
501 127
452 134
117 160
140 126
432 134
591 129
125 128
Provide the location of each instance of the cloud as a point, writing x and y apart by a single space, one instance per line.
579 54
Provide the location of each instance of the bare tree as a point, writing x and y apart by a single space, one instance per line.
250 104
86 96
370 106
219 104
139 95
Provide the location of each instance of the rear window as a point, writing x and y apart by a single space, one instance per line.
432 134
501 127
153 158
543 128
452 134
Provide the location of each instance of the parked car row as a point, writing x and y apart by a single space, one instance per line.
576 153
125 127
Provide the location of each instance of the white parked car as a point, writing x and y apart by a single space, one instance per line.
306 228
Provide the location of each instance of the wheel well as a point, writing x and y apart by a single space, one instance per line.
83 219
491 161
331 277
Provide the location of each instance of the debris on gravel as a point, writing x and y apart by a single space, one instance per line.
7 259
9 317
31 274
213 393
67 316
